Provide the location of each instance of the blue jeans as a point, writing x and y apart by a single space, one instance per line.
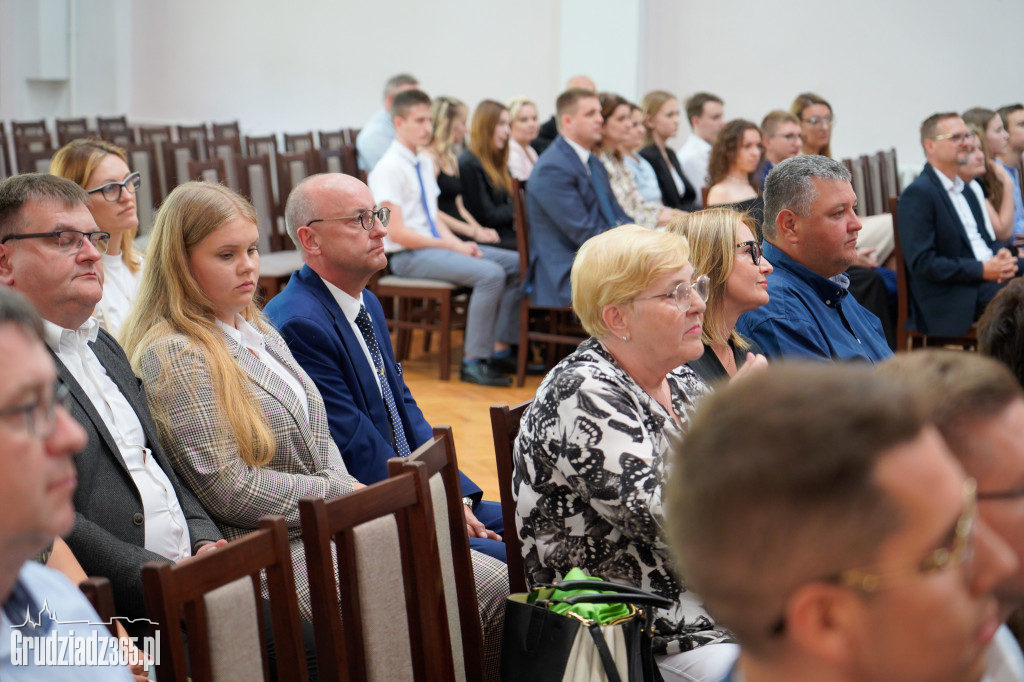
494 305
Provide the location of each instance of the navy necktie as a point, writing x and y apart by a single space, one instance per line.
602 192
426 206
398 440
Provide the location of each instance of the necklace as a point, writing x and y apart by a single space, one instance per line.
738 181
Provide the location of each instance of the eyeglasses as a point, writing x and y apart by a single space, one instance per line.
112 191
365 218
755 250
957 138
40 415
791 137
960 552
68 241
821 121
683 293
1002 495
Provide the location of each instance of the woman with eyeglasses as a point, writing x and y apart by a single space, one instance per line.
101 168
590 455
722 244
816 120
732 168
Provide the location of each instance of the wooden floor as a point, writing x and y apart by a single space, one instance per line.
465 407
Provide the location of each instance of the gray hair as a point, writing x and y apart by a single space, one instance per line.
789 186
398 81
299 210
17 310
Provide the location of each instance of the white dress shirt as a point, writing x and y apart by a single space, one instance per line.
694 156
165 527
520 160
393 179
955 189
250 338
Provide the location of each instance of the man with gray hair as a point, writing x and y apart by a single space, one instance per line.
376 136
810 231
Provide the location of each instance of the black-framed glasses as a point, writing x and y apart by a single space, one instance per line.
40 415
112 190
955 138
684 291
366 218
755 250
959 552
820 120
68 241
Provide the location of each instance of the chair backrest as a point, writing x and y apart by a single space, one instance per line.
505 427
158 135
902 282
104 123
874 185
387 562
332 160
254 183
122 137
292 168
332 139
213 170
298 142
521 225
6 169
199 133
34 161
220 594
101 595
436 460
221 130
227 149
30 128
71 129
176 157
142 157
890 175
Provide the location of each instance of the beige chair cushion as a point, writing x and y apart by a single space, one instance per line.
233 624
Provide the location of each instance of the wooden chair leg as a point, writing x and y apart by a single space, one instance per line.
523 355
446 336
404 333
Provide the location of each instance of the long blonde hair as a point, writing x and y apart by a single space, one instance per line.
170 301
76 161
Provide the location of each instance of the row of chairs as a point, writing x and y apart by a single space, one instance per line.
406 592
876 178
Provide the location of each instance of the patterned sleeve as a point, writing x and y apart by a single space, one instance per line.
593 432
196 437
643 213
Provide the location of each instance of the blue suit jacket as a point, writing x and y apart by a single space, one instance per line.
945 278
564 212
325 345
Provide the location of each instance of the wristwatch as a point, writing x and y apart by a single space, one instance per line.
468 501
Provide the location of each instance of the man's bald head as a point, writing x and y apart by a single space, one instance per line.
581 82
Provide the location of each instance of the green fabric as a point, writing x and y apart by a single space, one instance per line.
602 613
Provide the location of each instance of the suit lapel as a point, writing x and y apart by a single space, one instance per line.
78 393
951 211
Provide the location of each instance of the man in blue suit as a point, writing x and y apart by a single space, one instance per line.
954 265
569 198
336 329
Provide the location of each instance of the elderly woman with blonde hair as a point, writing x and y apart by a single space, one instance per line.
722 244
589 458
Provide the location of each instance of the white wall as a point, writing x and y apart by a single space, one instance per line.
884 65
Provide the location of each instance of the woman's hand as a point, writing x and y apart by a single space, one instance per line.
486 235
754 363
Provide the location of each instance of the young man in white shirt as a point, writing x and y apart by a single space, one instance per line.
706 114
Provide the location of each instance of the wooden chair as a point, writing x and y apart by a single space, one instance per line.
35 161
142 157
424 304
353 133
6 169
111 123
30 129
101 595
122 137
176 156
298 142
72 129
874 185
332 139
227 149
199 133
505 422
293 168
213 170
387 560
158 135
219 593
560 328
910 339
222 130
436 461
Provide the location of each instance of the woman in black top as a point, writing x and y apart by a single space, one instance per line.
486 182
661 118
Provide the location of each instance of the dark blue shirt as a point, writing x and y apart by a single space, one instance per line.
810 316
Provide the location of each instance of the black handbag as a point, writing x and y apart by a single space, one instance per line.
540 645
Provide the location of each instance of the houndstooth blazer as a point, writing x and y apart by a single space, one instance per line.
196 438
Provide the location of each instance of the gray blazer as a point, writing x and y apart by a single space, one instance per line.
109 536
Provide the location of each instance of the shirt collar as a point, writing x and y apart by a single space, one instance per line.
581 152
349 306
830 290
60 339
954 185
404 152
698 141
244 333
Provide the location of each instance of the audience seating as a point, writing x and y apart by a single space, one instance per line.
101 595
72 129
222 130
436 461
561 330
505 422
298 142
227 149
332 139
176 156
34 161
120 137
213 170
6 169
388 566
292 168
910 339
197 133
105 123
219 594
142 157
30 128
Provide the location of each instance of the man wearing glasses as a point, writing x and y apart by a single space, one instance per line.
954 264
834 552
131 508
978 406
780 131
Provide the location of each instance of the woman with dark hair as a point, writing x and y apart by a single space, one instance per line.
995 182
483 167
615 146
816 121
732 170
661 118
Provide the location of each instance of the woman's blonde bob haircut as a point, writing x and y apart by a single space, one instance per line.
713 234
616 266
170 301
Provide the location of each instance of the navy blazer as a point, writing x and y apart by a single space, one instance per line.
109 535
325 345
946 282
563 212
